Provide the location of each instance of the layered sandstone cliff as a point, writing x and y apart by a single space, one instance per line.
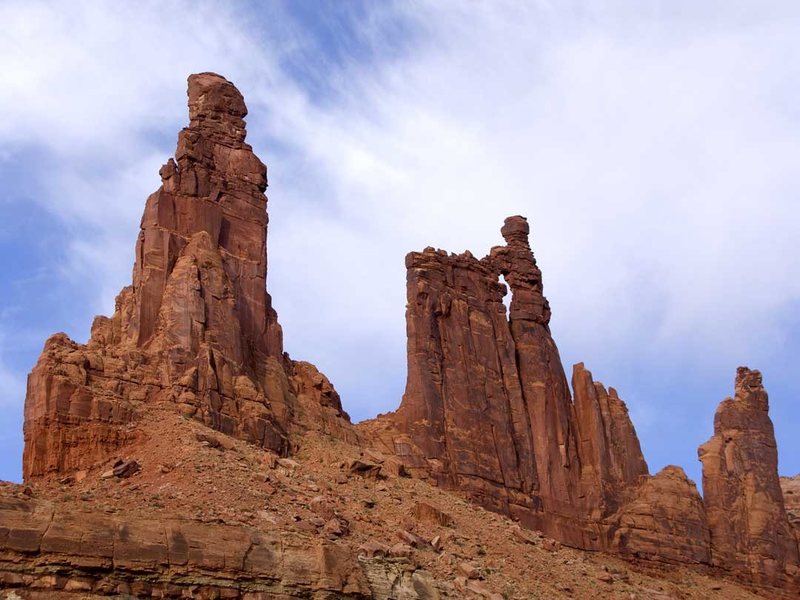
55 550
196 327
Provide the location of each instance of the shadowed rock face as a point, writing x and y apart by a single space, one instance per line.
750 530
790 486
196 327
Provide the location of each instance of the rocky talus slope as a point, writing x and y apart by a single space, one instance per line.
181 453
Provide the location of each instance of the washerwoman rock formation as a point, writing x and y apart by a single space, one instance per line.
487 407
487 411
196 327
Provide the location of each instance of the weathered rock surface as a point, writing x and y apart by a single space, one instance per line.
196 327
665 521
790 486
487 411
750 530
487 407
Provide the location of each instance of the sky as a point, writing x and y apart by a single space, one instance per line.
653 146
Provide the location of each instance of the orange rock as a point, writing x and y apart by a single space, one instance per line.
427 513
664 520
118 555
487 409
487 412
469 571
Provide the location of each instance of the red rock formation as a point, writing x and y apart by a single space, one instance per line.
487 408
463 405
665 520
539 371
215 185
52 549
790 486
750 531
611 458
487 411
196 327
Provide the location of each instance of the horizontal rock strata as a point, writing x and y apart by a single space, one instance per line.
47 549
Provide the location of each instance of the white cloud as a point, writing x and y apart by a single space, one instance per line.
654 151
656 159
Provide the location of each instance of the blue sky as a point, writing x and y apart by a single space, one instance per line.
654 147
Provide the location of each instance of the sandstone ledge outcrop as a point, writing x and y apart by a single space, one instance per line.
47 548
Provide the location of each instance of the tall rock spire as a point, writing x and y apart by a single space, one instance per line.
541 374
214 185
750 531
487 411
196 327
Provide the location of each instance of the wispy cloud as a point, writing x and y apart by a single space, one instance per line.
653 147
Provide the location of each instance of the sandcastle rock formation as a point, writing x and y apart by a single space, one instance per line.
487 410
196 327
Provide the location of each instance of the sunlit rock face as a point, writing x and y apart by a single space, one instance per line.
487 407
196 327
